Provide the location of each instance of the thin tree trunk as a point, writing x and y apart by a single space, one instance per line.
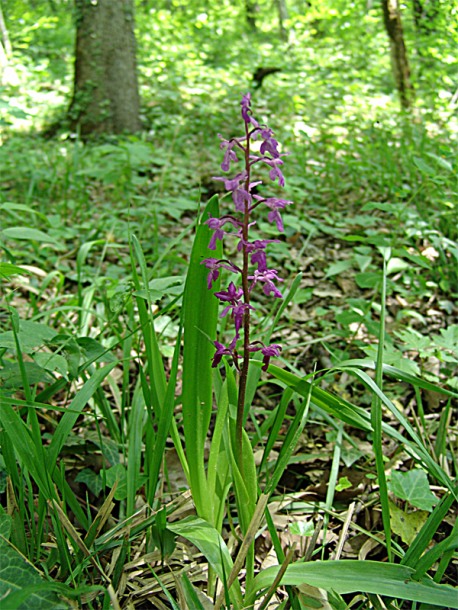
251 8
5 39
399 59
282 17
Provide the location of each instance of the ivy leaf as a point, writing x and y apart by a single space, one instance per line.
91 479
405 524
413 486
302 528
21 585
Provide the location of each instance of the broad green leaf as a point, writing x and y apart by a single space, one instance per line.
91 479
347 576
11 376
423 166
193 596
8 269
29 234
302 528
413 486
367 279
338 267
31 335
118 474
52 362
396 264
6 523
95 351
405 524
209 542
21 585
200 317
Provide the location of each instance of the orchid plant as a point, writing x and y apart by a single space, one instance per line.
253 270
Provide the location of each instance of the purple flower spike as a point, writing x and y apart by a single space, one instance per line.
254 268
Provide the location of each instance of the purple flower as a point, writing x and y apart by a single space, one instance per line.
270 351
259 258
231 295
237 314
246 110
275 172
222 350
215 265
229 155
216 225
266 277
230 184
241 198
270 145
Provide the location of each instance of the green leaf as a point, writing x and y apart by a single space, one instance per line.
200 317
395 265
209 542
343 483
11 376
95 351
423 166
67 422
340 408
413 486
8 269
191 595
21 585
29 234
302 528
347 576
91 479
52 362
407 525
6 523
369 279
338 267
118 474
161 536
31 335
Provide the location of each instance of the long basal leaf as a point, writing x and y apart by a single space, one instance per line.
375 577
200 317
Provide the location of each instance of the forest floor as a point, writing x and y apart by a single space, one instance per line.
80 203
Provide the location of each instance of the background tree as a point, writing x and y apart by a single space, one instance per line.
105 97
5 46
399 59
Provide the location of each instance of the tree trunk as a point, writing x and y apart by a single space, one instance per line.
105 98
8 74
5 39
282 17
399 60
251 8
